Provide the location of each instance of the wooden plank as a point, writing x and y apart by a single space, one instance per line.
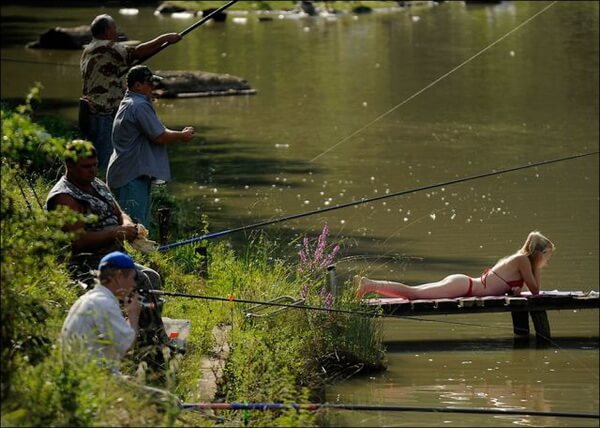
488 304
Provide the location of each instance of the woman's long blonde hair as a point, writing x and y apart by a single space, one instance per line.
536 242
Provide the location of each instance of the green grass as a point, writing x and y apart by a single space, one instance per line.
273 359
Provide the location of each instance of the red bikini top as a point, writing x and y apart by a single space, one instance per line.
518 283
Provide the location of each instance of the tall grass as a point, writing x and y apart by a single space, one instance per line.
280 357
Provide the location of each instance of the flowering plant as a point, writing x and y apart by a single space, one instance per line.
313 260
317 259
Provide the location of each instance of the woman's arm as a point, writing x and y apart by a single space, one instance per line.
530 275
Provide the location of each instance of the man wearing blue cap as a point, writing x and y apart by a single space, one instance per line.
95 323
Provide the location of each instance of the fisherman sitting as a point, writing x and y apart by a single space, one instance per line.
95 323
81 191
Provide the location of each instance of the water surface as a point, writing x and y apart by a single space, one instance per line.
345 111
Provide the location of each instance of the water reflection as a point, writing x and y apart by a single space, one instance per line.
533 96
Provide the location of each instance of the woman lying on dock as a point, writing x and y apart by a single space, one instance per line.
507 276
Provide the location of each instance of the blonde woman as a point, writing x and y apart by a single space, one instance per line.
508 276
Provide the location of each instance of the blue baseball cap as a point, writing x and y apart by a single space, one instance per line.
116 260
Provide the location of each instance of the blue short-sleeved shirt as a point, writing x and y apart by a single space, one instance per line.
134 154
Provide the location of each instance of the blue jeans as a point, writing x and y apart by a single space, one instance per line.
134 199
100 133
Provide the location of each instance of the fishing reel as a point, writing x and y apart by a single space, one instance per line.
149 300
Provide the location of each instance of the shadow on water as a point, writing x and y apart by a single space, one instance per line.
490 344
231 163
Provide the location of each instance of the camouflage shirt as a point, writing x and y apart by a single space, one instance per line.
101 63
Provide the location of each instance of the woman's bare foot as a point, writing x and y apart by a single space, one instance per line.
359 288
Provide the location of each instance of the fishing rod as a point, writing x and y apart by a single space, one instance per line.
258 302
163 46
187 30
232 299
379 408
367 200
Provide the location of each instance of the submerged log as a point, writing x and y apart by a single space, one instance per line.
66 38
183 84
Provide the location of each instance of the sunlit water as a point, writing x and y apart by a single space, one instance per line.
334 121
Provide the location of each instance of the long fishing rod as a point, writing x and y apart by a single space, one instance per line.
187 30
380 408
367 200
232 299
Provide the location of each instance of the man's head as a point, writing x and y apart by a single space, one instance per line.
141 79
117 272
104 28
81 162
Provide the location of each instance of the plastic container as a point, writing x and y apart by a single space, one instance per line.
178 331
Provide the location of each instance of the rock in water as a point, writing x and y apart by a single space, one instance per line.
200 83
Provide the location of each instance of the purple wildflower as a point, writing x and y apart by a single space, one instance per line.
328 300
327 261
304 291
323 293
309 260
321 242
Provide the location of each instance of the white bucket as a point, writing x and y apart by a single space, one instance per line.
177 331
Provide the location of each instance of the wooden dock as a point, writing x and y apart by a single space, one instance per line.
518 306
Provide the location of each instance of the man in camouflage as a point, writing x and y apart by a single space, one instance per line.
104 63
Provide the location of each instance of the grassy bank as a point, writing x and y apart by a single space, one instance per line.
289 356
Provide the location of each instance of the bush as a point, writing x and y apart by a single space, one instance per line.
38 386
273 358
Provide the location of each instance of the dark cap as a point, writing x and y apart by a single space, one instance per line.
116 260
141 73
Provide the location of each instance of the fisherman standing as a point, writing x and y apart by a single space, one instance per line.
140 144
103 63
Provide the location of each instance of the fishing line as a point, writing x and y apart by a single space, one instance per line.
379 408
24 197
381 116
372 199
370 265
35 195
346 406
356 313
568 354
309 308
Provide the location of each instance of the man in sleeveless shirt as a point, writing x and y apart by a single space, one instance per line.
103 65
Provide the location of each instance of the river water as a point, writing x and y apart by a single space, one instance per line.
356 107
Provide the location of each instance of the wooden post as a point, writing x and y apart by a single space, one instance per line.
332 280
164 219
542 326
520 323
203 271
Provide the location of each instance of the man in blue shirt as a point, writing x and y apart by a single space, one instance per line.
139 140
